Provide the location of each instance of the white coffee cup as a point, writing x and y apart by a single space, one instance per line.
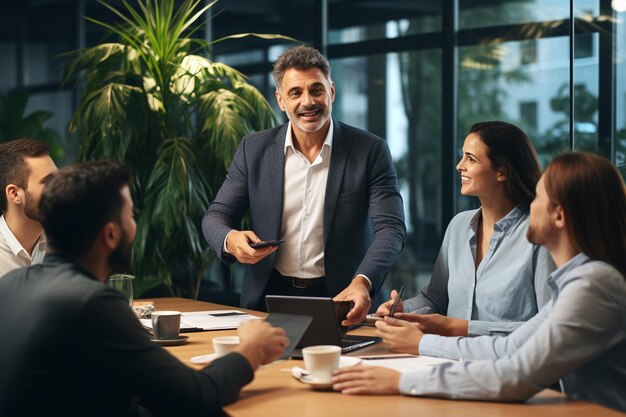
166 324
225 344
321 361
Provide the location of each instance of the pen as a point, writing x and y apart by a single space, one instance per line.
374 358
423 310
395 303
191 329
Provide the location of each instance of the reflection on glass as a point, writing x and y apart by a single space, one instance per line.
398 96
620 96
481 13
124 284
501 82
360 20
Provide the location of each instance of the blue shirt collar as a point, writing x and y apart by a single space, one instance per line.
504 223
557 277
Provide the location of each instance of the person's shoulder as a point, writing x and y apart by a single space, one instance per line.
462 219
602 271
351 132
264 135
64 287
600 278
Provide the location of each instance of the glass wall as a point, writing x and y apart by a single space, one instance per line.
397 96
418 73
512 62
619 142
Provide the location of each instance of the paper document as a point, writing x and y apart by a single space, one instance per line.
406 364
209 320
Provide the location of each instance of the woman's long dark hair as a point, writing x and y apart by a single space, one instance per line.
592 194
511 149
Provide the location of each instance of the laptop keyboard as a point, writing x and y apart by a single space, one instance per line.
348 345
349 342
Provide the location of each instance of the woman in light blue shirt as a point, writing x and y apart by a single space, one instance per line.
488 279
578 338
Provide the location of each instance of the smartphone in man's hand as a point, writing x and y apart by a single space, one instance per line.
266 243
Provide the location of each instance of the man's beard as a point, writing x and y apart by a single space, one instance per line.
537 235
120 258
30 208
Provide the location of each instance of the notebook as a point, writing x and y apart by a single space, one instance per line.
325 329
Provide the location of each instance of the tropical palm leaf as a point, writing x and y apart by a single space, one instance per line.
176 197
225 116
109 118
262 112
154 101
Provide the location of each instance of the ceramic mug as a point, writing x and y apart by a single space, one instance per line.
166 324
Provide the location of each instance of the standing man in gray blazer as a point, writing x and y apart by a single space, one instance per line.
328 189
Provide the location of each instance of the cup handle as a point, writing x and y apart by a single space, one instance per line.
155 326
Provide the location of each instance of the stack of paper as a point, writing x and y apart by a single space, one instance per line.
404 364
209 320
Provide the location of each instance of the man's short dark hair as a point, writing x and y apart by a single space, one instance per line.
13 166
302 58
78 200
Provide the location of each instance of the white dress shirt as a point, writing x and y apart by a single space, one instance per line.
13 255
302 227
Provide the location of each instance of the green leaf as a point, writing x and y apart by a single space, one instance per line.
152 99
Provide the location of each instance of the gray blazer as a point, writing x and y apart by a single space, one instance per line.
363 216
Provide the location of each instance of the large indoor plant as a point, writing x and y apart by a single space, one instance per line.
154 100
16 124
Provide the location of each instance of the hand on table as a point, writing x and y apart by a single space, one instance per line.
385 308
401 336
238 245
260 343
363 379
359 293
437 324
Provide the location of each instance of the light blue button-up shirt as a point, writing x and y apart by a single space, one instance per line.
580 337
508 287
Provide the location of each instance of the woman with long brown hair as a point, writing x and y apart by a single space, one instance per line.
488 279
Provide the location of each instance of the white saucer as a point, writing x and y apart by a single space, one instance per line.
208 358
180 340
349 361
317 385
302 374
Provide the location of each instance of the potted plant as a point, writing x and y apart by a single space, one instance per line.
15 124
153 100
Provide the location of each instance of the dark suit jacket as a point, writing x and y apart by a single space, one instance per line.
72 347
363 216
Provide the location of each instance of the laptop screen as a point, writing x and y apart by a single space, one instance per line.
325 328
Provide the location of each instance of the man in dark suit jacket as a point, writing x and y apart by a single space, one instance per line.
328 189
70 344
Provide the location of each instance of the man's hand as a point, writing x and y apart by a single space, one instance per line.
401 336
385 308
238 245
358 293
363 379
437 324
260 342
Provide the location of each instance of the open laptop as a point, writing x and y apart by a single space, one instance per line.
325 329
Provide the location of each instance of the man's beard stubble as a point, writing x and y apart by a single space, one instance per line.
120 258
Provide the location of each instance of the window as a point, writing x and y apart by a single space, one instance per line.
528 115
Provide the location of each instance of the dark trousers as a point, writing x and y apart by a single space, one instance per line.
279 285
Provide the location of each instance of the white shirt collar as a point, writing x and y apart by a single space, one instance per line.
9 238
327 142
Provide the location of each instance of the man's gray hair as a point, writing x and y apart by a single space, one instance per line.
302 58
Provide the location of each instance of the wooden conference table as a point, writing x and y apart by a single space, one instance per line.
274 392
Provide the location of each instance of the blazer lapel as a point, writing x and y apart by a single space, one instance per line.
338 160
276 180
